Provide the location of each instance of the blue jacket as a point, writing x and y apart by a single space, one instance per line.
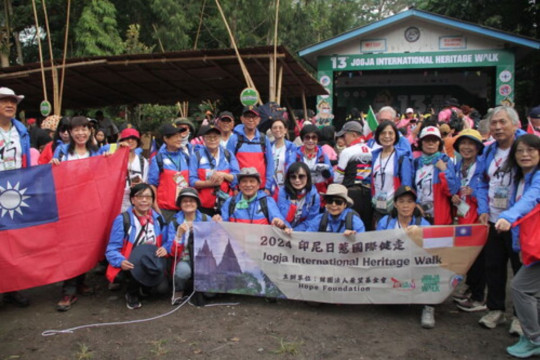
116 249
335 225
444 186
207 162
170 233
176 161
250 154
61 152
527 202
483 186
310 209
403 171
389 223
253 214
474 184
25 142
320 182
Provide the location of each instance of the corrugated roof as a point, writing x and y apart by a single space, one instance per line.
165 78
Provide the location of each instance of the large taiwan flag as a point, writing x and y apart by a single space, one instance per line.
55 220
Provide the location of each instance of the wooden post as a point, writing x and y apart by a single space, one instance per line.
274 67
271 80
304 105
58 111
54 71
40 51
280 80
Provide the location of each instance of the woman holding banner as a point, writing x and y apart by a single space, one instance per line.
404 215
525 209
180 231
298 199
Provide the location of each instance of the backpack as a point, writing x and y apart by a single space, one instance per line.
199 156
159 160
262 143
264 207
127 223
176 224
417 221
348 221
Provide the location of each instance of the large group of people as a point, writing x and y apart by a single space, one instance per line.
412 170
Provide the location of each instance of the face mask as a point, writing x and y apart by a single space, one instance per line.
185 140
325 111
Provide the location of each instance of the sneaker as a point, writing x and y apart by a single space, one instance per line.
515 327
179 298
524 348
65 303
428 317
114 286
492 319
472 306
463 300
16 298
461 293
132 301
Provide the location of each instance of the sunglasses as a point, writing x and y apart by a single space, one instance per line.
313 137
336 201
226 119
183 129
298 177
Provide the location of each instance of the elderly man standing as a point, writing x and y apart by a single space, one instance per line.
14 153
494 194
354 171
252 148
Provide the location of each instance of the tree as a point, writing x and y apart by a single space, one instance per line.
96 32
133 45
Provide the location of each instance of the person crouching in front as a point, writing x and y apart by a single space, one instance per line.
136 251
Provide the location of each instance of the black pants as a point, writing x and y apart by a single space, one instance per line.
497 251
361 197
476 278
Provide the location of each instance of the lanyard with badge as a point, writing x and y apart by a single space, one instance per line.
382 203
466 177
502 193
178 177
8 164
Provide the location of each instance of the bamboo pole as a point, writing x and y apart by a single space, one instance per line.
304 105
40 50
54 72
271 80
159 39
247 77
61 95
200 25
280 81
274 74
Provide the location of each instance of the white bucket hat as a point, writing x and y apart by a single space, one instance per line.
338 190
7 92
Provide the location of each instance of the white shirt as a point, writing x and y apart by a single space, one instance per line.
134 171
424 184
279 163
383 169
10 149
147 236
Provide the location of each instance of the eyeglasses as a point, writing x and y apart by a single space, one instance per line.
298 177
313 137
143 197
337 201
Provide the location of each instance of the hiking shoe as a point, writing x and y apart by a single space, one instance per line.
524 348
515 327
85 290
132 301
65 303
428 317
492 319
472 306
16 298
460 301
461 293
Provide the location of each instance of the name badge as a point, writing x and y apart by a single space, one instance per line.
500 200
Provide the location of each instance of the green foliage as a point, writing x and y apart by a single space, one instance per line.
149 117
133 45
96 32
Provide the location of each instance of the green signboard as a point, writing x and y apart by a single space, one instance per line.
45 108
502 60
249 97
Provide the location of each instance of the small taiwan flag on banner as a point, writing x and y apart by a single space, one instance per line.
55 219
438 237
471 235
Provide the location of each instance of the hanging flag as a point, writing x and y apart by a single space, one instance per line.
55 219
371 121
153 148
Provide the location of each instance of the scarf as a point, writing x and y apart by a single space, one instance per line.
244 204
428 159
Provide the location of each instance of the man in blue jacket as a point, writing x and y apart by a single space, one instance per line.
494 194
14 153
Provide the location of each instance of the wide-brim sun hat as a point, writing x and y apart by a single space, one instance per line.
8 93
473 135
338 190
149 269
188 192
248 172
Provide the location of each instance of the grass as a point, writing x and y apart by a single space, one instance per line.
158 347
84 353
287 347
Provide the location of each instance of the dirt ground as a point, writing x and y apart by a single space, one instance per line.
253 329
